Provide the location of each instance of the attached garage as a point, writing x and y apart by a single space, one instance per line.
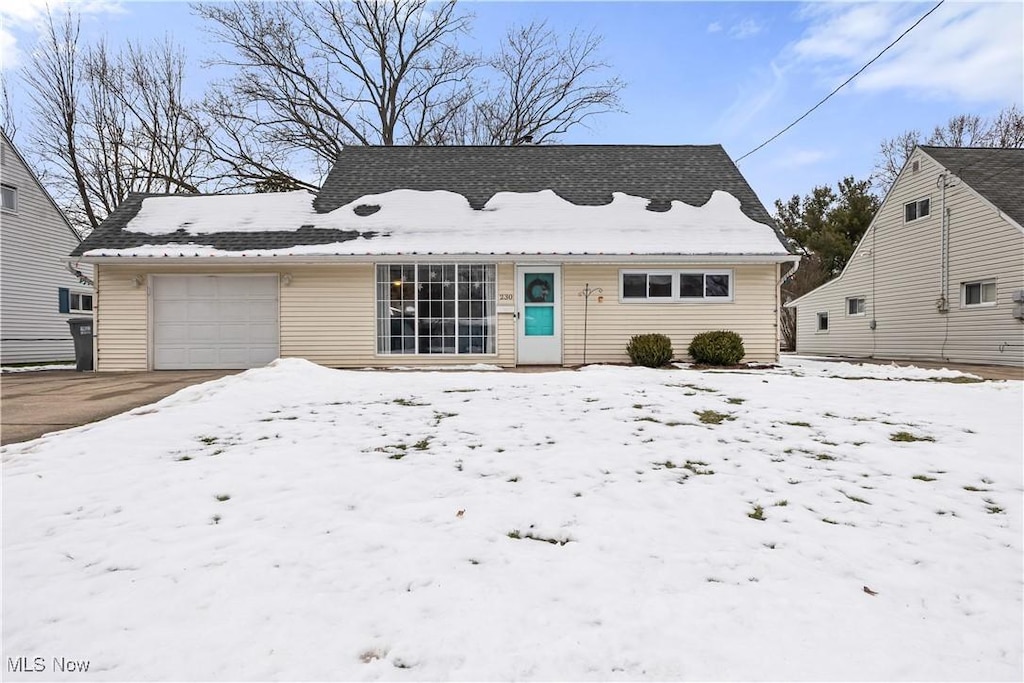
214 321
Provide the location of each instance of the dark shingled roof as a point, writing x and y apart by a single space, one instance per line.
585 175
997 174
111 234
581 174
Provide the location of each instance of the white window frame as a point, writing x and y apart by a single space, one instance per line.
981 283
492 318
674 297
708 299
14 191
648 299
863 307
818 317
80 296
917 209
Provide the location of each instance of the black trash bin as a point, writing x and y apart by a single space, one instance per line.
81 332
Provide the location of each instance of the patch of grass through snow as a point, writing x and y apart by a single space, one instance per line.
907 437
757 513
712 416
408 402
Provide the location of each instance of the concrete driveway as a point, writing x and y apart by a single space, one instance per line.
34 403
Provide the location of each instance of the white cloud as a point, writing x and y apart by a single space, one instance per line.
745 29
964 51
24 16
798 158
715 27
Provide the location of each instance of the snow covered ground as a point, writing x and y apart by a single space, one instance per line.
36 368
297 523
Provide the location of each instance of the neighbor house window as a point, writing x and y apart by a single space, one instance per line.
80 302
8 198
915 210
666 285
823 322
981 293
426 308
73 302
855 306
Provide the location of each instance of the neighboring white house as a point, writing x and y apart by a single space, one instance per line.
939 274
38 291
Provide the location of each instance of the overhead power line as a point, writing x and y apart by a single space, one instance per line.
844 83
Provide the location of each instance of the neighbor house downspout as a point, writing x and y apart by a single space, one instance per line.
942 304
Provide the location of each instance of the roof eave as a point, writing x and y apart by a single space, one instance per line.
241 260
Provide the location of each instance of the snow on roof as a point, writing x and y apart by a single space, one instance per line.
442 222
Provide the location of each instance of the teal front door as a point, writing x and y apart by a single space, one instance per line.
539 315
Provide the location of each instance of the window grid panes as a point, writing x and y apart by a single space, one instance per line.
436 308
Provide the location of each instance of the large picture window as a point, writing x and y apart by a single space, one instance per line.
428 308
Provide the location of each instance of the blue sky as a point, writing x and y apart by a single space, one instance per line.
732 73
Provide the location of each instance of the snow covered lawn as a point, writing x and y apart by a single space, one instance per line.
811 522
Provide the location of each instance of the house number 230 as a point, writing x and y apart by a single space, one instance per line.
504 297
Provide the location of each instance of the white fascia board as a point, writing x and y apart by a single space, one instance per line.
229 261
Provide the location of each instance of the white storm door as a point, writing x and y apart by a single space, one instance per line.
214 321
539 315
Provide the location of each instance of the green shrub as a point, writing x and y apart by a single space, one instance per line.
717 348
649 350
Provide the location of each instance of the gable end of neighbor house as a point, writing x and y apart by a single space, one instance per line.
947 234
38 293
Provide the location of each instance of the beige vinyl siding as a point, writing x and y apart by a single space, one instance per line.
752 313
327 316
897 269
33 240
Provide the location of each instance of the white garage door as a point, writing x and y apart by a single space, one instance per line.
214 321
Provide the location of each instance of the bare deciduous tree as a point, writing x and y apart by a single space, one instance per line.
7 123
111 123
315 76
545 85
1005 129
318 75
54 80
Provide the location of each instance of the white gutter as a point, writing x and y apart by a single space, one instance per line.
229 260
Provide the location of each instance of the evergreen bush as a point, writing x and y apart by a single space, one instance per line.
649 350
719 347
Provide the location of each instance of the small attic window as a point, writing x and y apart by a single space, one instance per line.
915 166
366 209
